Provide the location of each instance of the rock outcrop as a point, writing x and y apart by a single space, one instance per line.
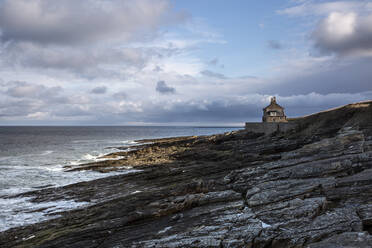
310 187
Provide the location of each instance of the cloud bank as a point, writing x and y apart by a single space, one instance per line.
69 21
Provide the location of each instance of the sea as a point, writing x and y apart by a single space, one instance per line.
36 157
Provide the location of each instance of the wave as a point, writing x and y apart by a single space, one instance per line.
21 211
5 158
47 152
129 142
55 168
92 157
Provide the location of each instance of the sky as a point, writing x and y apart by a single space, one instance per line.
177 62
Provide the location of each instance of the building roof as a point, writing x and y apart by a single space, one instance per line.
273 104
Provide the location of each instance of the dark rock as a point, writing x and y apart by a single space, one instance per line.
346 240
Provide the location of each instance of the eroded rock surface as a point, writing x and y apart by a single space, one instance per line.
311 187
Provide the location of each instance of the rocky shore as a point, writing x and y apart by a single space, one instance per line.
310 187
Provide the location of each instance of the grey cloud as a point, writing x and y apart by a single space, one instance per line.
344 34
89 62
248 77
99 90
25 90
81 61
70 21
157 69
212 74
249 109
213 61
347 76
274 44
27 101
163 88
237 110
299 105
17 107
71 110
219 111
90 39
120 95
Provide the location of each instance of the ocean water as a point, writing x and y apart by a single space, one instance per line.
34 157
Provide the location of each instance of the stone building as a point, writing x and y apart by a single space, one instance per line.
274 112
273 121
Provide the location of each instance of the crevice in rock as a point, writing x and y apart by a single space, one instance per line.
367 228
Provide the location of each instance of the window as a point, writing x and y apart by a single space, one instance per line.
273 113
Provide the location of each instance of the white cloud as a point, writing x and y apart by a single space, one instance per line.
344 34
38 115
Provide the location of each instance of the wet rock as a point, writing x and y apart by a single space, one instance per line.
346 240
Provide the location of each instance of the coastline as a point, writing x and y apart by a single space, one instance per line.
147 152
310 187
30 168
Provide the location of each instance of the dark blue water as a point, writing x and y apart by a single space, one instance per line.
35 157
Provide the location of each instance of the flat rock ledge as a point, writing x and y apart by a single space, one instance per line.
310 187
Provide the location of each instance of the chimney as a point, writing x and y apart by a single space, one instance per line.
273 99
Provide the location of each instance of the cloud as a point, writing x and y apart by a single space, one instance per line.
339 50
213 61
73 110
212 74
127 56
274 44
89 39
70 21
80 61
17 107
322 76
236 110
99 90
39 102
38 115
344 34
120 95
236 105
163 88
157 69
309 8
20 89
